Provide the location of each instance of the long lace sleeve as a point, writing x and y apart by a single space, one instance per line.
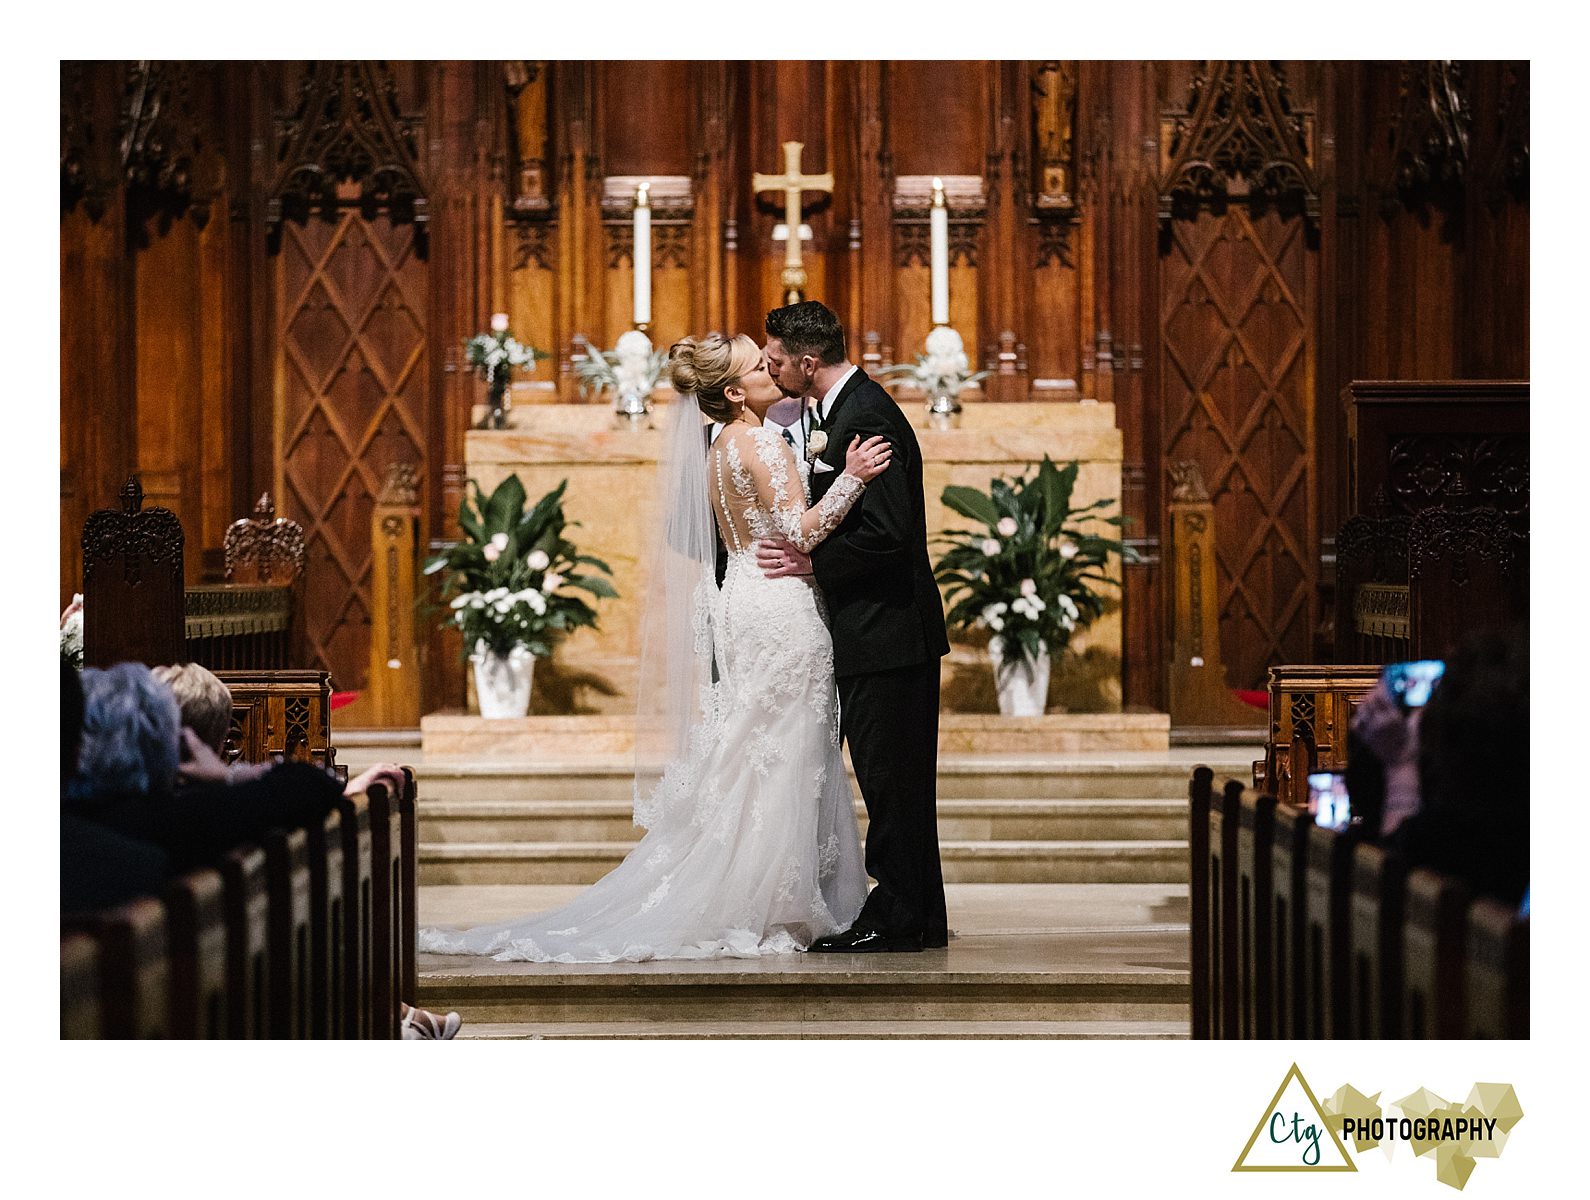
778 488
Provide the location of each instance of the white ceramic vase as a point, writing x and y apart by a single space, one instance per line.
1024 689
502 681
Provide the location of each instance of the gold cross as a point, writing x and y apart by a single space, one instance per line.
792 183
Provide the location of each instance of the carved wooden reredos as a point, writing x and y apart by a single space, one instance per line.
270 270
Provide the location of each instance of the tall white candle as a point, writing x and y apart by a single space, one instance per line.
642 256
939 226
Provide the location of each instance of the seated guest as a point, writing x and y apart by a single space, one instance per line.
1473 816
206 707
100 867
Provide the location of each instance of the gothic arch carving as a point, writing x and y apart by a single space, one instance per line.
1238 140
346 126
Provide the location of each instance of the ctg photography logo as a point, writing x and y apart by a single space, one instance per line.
1297 1132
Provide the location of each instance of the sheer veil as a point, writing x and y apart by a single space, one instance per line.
673 686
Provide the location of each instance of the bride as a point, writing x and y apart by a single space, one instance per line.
751 845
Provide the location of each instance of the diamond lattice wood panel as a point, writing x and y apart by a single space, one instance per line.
1237 352
352 380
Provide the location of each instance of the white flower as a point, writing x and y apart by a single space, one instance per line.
1068 549
465 599
535 600
538 560
991 613
496 593
1029 588
990 547
996 623
816 443
491 552
552 582
1069 606
499 322
1006 526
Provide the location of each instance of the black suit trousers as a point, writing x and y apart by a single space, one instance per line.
891 721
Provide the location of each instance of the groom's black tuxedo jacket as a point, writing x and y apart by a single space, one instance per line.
874 572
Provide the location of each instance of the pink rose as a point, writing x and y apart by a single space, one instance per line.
499 322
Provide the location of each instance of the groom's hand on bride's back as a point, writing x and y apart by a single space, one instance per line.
778 558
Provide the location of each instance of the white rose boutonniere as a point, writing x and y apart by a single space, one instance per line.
816 443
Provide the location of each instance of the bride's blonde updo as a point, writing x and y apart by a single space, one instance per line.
705 366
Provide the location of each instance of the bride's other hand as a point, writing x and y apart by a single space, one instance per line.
778 558
867 460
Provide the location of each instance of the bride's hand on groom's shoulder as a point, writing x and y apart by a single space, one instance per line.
777 558
867 460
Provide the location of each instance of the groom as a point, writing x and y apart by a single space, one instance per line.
887 623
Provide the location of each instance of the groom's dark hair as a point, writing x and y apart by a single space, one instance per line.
810 327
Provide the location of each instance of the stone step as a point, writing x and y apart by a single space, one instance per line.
959 820
966 777
968 861
886 1030
851 990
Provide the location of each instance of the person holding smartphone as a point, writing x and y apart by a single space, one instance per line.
1383 747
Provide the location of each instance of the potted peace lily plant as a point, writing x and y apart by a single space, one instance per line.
1030 576
511 587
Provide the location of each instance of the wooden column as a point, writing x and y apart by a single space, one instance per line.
394 689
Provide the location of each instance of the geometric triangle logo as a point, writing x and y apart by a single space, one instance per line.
1293 1134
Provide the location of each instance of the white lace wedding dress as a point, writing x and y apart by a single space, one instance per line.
752 845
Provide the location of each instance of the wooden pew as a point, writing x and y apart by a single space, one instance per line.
328 941
288 931
1255 903
248 990
1311 708
386 858
1326 916
196 922
408 890
134 973
1199 793
1434 930
358 892
1496 976
1375 964
80 988
1223 999
1289 904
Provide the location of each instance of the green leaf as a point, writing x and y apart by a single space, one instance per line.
970 502
504 506
594 584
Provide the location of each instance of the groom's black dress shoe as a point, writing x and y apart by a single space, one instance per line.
866 941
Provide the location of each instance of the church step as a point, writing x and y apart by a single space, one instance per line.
966 777
885 1030
959 820
975 861
851 991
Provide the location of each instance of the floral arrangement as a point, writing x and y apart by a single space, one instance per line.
630 368
1030 576
72 633
941 371
494 355
511 582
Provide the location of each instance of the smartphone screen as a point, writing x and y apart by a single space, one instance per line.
1327 800
1412 682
